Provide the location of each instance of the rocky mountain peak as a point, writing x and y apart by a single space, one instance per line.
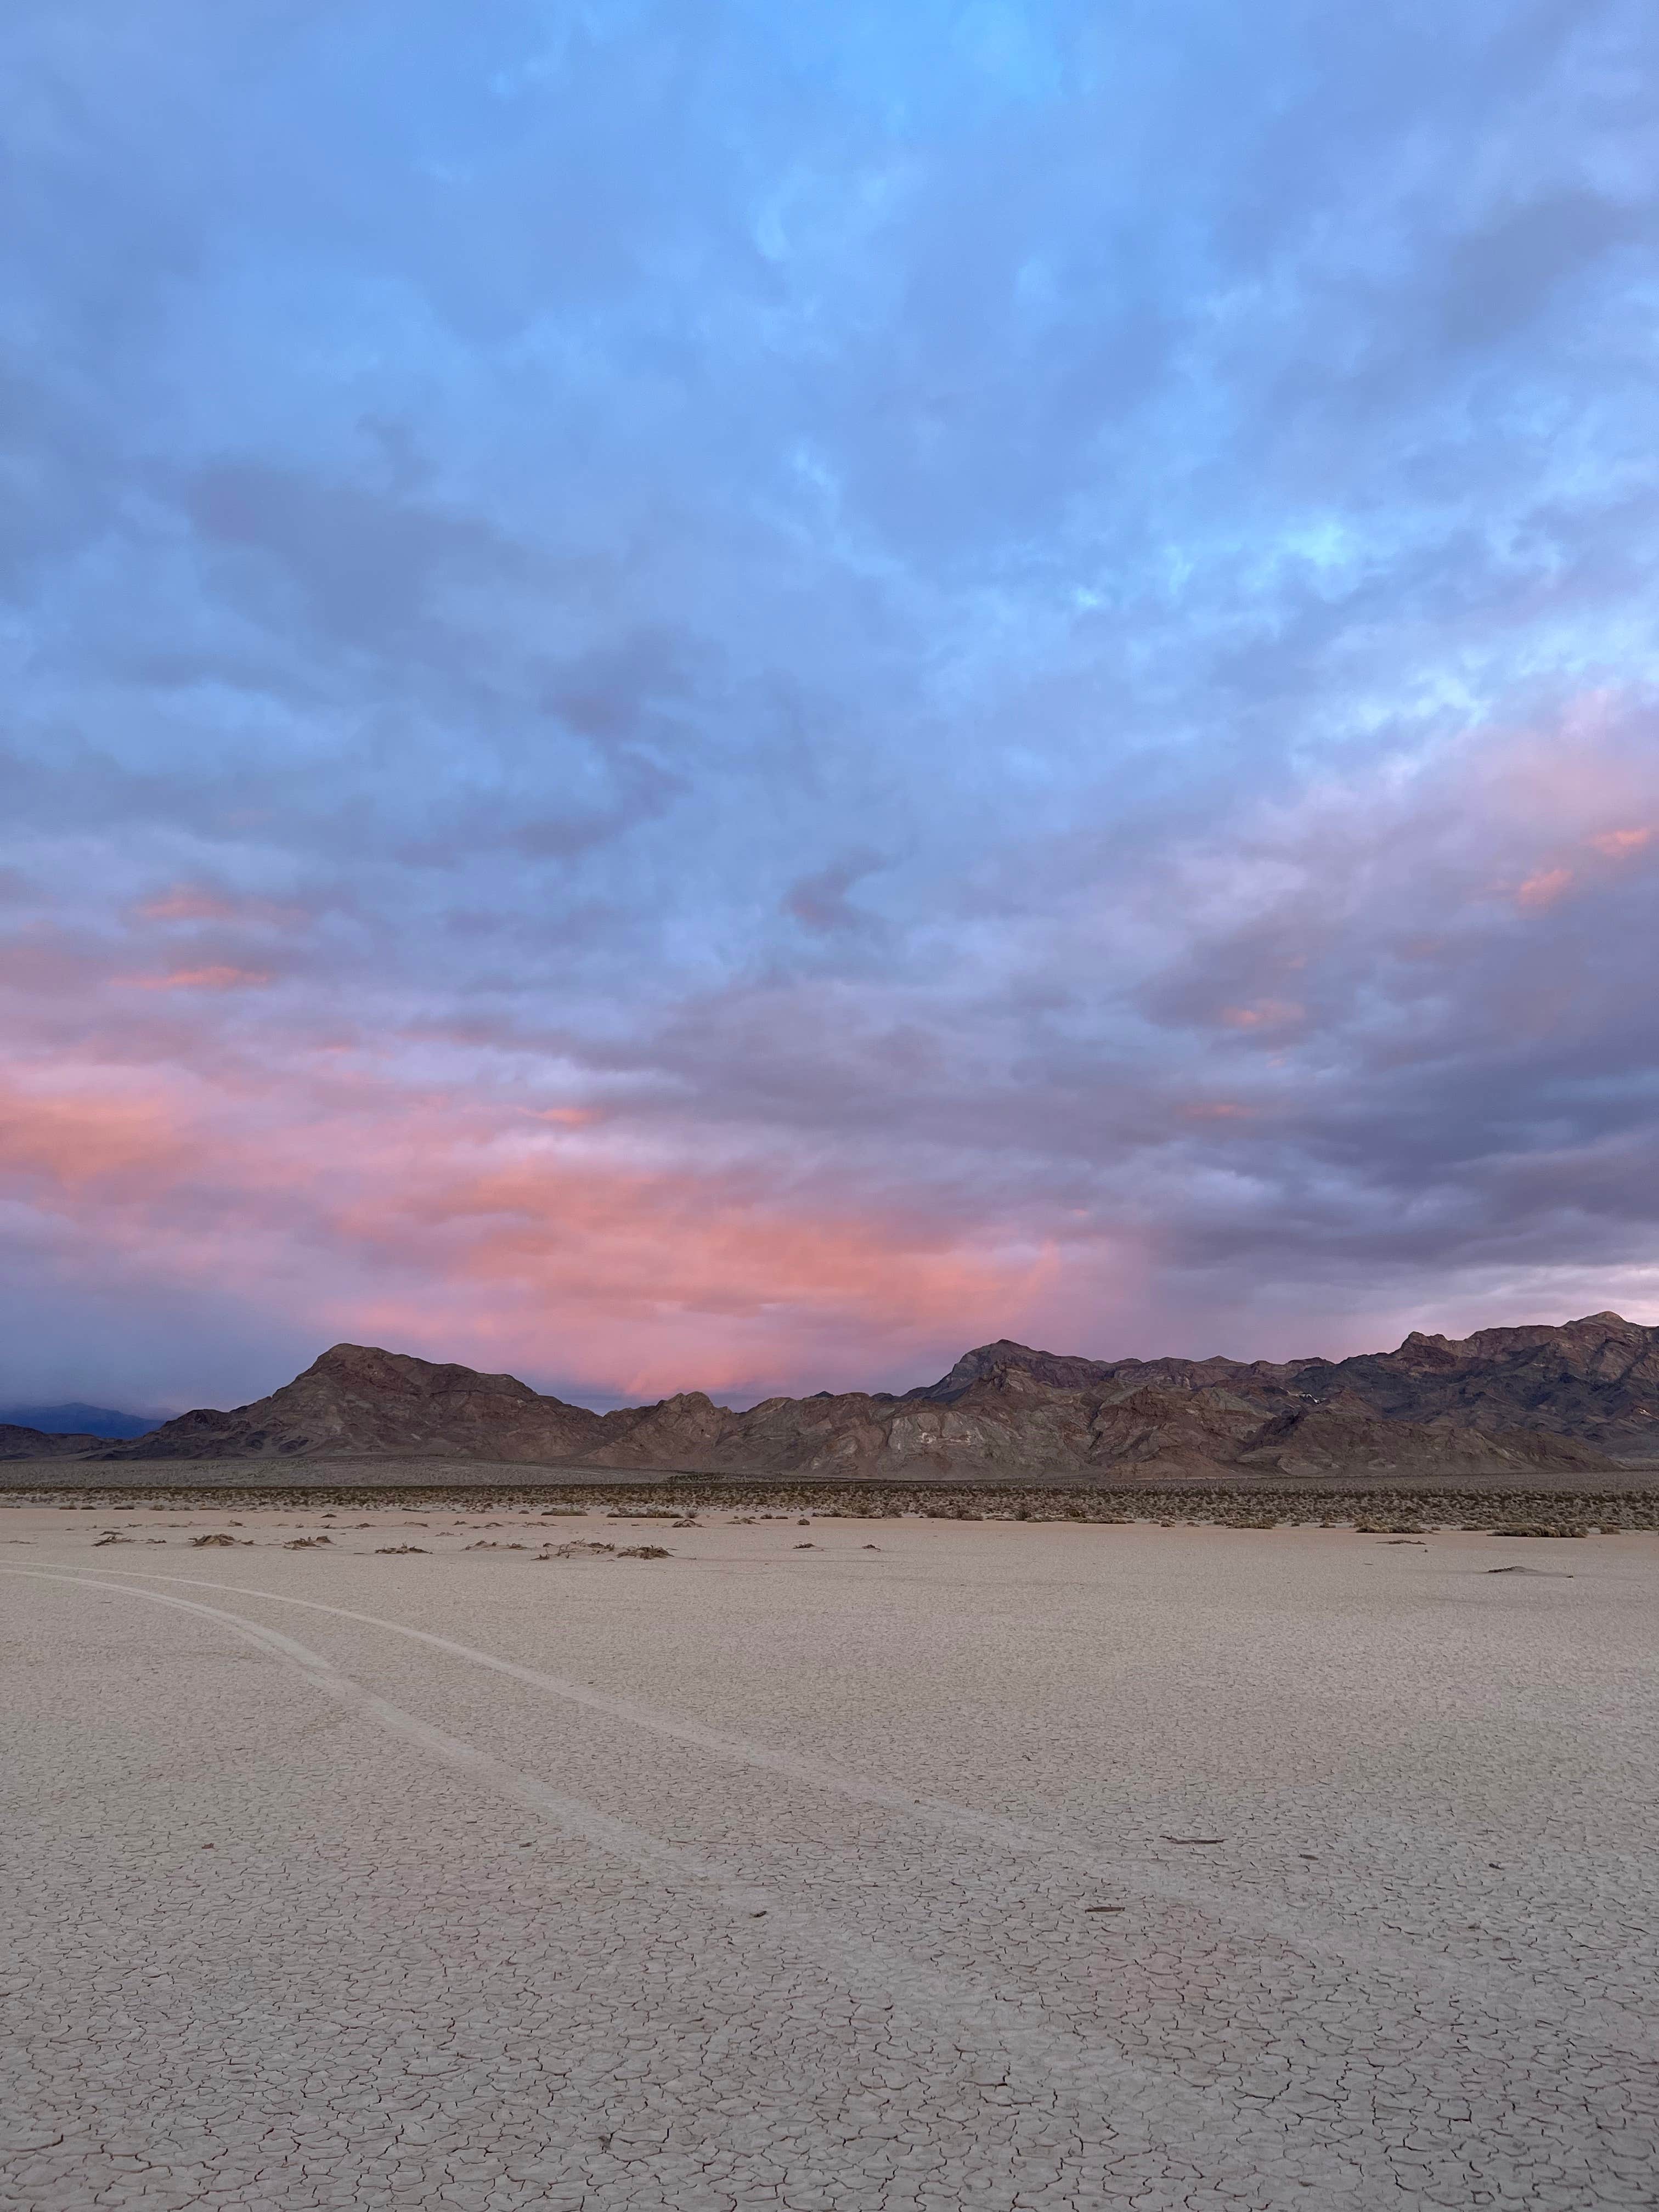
355 1365
1056 1370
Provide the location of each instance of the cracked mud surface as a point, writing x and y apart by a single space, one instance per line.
1008 1867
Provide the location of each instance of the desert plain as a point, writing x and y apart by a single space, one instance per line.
822 1864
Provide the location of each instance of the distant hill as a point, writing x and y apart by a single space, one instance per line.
77 1419
1578 1397
44 1443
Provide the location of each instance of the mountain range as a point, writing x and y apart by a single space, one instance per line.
1573 1398
78 1419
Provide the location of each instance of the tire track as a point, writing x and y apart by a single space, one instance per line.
1451 1982
1145 2114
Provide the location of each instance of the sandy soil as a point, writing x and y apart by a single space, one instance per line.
890 1864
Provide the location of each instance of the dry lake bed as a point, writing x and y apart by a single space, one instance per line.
883 1863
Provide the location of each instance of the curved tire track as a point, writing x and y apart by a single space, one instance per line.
1401 1960
1148 2112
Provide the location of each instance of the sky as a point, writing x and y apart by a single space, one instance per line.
714 694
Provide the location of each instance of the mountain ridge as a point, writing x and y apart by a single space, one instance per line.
79 1419
1575 1395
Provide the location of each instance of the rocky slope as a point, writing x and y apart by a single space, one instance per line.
1568 1399
1597 1380
1344 1438
17 1443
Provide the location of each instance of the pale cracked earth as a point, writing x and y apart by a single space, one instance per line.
1031 1866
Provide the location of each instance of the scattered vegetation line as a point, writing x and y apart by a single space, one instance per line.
1378 1509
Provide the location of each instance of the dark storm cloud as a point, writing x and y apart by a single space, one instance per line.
990 656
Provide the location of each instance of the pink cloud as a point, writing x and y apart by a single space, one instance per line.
363 1210
203 903
1263 1014
188 903
1544 890
1619 844
68 1142
660 1278
218 977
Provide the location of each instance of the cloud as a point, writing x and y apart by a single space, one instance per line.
1544 888
997 674
642 1277
819 902
188 903
221 978
73 1146
1265 1014
206 903
1623 844
1507 272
